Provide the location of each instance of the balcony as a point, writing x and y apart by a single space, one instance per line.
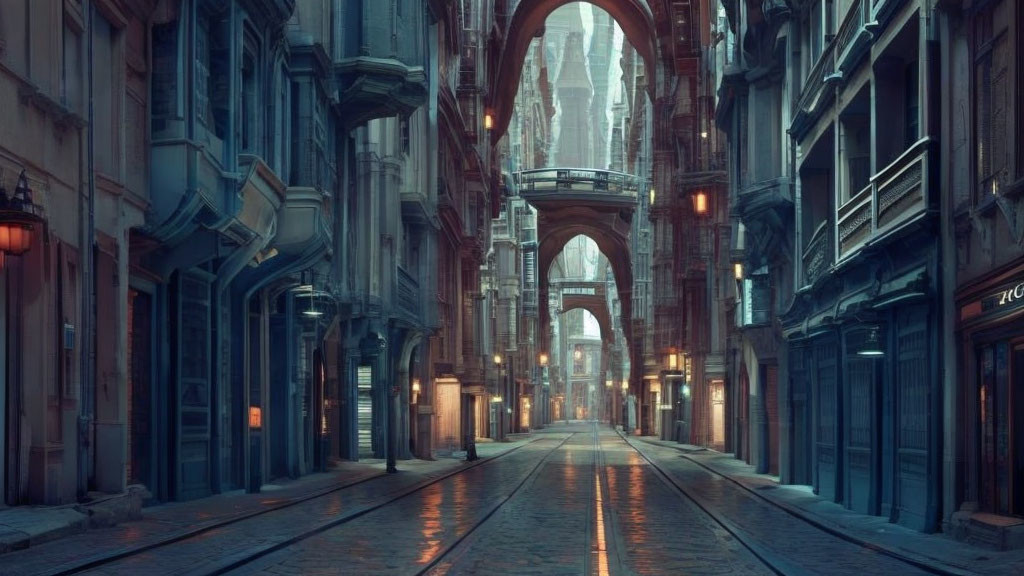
854 37
882 10
761 198
602 186
815 96
381 73
895 197
407 297
817 257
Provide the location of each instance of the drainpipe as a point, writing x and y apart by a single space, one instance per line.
88 290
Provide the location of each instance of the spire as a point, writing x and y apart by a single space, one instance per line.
573 72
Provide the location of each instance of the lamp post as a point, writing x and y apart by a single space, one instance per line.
255 427
610 404
625 406
497 401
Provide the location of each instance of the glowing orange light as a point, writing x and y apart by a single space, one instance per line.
488 121
255 417
602 544
700 203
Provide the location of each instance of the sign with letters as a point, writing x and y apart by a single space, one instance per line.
1009 297
1006 298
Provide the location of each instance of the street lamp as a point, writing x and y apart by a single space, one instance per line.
496 401
543 359
737 270
255 425
578 353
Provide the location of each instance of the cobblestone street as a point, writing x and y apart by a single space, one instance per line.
573 499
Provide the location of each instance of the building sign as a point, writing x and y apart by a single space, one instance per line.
1006 298
1011 297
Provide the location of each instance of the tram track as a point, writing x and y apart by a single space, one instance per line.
458 544
94 563
249 558
774 562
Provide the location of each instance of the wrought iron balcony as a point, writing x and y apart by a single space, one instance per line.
896 196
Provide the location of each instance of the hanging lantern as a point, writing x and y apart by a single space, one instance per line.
18 215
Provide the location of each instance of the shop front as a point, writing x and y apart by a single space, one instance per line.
990 315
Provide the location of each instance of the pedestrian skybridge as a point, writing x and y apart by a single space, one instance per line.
593 187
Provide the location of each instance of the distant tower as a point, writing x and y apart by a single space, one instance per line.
559 24
575 143
600 66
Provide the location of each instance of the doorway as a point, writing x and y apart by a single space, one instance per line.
447 433
718 415
742 417
140 389
364 411
1001 378
771 404
3 386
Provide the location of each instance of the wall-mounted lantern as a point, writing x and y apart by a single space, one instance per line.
18 216
255 418
872 346
700 203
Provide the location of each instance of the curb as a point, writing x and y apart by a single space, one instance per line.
916 560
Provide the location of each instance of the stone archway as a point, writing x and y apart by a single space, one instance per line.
633 16
611 234
597 306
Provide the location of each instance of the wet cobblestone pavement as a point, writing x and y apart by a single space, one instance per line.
578 500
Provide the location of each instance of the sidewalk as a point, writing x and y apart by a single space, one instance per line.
938 550
31 526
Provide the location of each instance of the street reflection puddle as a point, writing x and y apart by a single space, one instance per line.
637 533
462 504
602 544
431 517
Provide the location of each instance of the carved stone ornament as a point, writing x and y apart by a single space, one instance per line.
1011 209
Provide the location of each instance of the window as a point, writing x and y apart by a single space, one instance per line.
164 93
213 73
71 71
249 102
991 77
13 36
911 98
104 95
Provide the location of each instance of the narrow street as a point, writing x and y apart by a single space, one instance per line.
577 498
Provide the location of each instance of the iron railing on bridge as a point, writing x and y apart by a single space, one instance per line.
570 180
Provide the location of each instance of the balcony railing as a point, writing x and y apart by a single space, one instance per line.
569 181
855 222
407 295
815 90
818 255
896 194
853 38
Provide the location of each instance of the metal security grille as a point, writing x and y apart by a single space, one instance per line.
364 410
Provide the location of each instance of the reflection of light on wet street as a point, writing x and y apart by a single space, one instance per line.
431 516
602 545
